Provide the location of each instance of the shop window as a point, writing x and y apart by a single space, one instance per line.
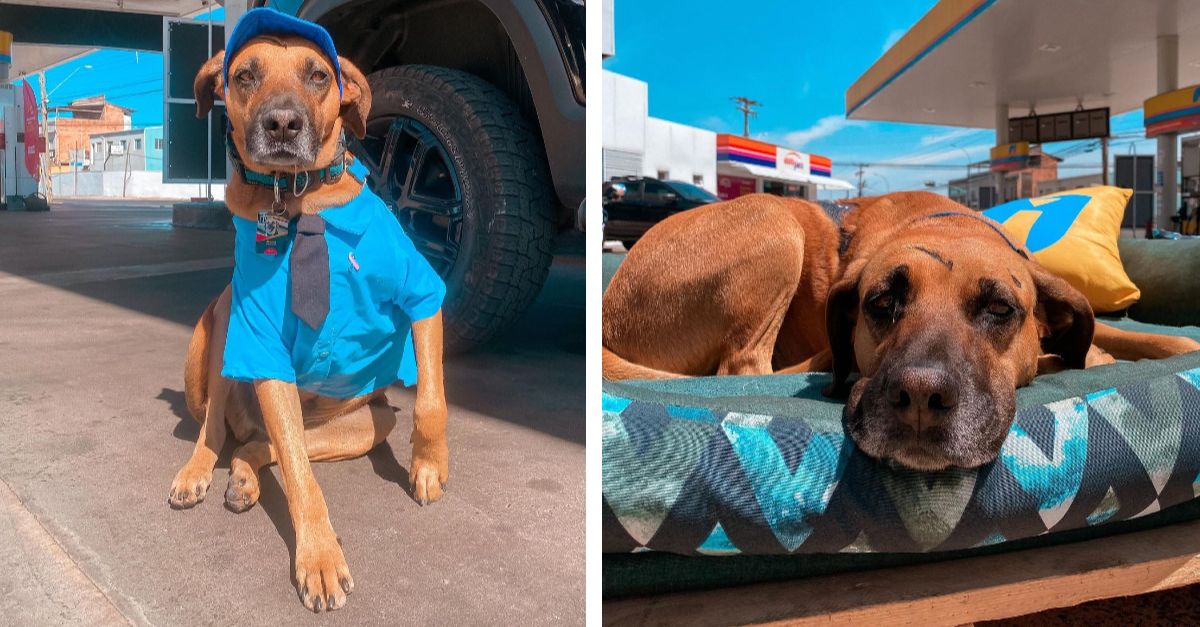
158 143
780 188
137 144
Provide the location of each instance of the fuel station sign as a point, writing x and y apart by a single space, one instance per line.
1173 112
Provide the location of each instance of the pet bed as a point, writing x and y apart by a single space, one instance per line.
759 468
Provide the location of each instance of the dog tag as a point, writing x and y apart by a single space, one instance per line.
270 236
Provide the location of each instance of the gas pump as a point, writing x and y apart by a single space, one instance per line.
16 181
1189 205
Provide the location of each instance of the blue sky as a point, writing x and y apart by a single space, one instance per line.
798 58
127 78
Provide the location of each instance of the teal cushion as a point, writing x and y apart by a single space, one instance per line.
725 480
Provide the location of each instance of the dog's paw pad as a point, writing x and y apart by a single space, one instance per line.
323 579
242 493
188 489
425 483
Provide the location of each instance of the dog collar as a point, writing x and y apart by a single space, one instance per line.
288 180
328 174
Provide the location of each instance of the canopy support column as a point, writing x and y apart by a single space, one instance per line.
1001 138
1168 144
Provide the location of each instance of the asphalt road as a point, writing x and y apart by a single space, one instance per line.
97 302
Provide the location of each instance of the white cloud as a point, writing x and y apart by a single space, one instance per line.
824 127
892 38
714 123
947 136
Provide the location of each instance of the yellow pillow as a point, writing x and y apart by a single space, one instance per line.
1074 235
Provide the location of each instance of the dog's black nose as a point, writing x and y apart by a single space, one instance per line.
282 124
921 396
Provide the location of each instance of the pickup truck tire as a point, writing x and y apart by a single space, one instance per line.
507 226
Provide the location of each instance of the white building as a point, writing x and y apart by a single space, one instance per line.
635 144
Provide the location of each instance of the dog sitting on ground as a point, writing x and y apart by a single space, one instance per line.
294 357
939 310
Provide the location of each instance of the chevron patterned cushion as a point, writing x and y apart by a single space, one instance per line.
760 465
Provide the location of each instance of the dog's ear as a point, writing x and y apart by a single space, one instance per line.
209 84
356 98
1064 316
841 314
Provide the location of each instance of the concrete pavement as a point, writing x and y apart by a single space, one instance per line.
96 307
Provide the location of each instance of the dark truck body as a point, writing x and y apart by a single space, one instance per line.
531 49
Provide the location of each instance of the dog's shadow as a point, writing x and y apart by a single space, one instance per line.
272 498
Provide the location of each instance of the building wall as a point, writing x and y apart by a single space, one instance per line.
1071 182
154 152
625 110
679 152
138 153
75 133
138 184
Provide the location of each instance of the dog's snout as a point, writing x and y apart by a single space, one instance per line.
283 124
921 396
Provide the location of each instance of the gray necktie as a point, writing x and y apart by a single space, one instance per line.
310 271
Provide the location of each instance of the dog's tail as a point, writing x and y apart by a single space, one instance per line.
195 368
615 368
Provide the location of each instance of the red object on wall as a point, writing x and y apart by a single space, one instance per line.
729 187
33 144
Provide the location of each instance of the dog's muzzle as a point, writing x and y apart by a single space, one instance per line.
281 134
928 416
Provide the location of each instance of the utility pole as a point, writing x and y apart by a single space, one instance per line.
860 180
45 157
746 106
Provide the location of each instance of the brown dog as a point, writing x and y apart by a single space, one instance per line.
272 419
933 304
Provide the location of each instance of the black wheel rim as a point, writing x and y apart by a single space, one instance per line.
412 172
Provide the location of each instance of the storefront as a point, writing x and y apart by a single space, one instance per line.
745 166
635 144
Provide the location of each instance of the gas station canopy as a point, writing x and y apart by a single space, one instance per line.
966 58
49 32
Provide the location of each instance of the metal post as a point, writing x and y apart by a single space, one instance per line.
1104 161
233 12
44 114
1168 143
1001 139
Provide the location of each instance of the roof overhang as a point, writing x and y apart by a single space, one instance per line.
49 33
823 182
965 58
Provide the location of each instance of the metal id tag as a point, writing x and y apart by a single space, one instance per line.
270 236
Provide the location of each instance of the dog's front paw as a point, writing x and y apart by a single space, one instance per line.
189 487
430 470
243 490
322 576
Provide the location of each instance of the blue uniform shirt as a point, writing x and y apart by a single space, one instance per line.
378 284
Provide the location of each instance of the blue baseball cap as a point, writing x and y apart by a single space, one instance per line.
264 21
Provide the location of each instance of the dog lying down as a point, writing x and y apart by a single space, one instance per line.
937 309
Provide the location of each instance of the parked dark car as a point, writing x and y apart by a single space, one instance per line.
475 138
634 204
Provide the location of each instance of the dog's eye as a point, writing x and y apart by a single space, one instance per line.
1000 309
318 76
244 76
884 302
